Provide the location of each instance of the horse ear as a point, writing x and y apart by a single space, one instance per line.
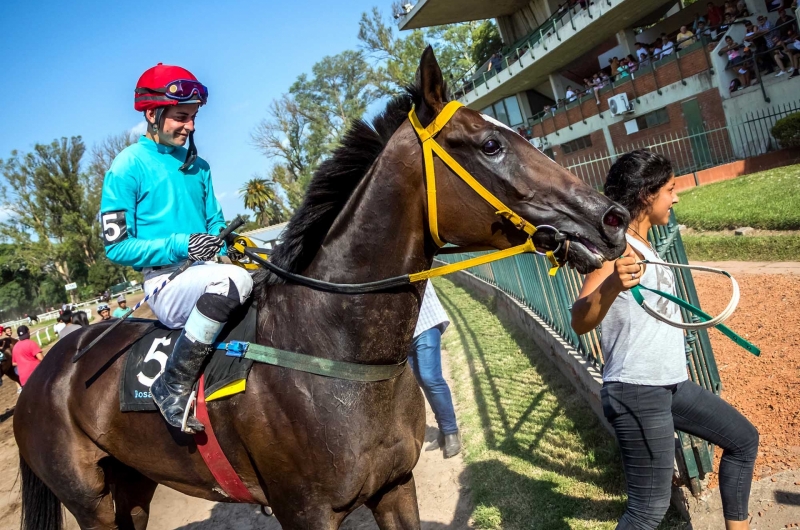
430 83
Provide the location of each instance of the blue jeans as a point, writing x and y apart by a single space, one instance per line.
425 359
645 419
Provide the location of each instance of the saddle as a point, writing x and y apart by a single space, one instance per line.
224 375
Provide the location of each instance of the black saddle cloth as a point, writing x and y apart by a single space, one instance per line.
147 357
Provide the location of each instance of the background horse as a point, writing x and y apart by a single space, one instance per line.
314 448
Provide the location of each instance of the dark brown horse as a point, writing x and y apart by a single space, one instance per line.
313 448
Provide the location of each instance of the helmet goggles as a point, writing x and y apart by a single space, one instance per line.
180 90
186 89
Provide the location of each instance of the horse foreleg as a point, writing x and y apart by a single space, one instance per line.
132 493
396 508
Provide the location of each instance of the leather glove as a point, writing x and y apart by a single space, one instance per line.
203 247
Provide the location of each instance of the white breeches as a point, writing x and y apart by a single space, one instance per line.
173 305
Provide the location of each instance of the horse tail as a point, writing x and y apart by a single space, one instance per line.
41 509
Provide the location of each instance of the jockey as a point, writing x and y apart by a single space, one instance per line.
158 210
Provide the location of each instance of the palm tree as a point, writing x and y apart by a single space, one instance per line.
259 195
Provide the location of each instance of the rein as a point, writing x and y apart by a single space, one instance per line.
259 257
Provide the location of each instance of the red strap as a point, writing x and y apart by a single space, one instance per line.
212 454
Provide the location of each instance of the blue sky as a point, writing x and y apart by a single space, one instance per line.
69 68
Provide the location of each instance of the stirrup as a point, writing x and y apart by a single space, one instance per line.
190 405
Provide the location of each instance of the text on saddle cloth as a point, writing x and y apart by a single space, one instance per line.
144 362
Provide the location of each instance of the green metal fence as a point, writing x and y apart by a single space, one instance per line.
525 278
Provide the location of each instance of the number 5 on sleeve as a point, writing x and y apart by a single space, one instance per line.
114 227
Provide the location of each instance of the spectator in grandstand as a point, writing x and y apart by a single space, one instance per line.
646 393
120 311
104 312
741 8
26 355
495 62
614 64
783 24
714 15
732 49
783 55
70 326
570 95
726 23
641 52
685 38
667 47
745 69
632 64
701 30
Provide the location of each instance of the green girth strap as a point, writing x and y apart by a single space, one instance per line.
728 332
314 365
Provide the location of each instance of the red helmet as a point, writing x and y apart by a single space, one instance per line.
164 85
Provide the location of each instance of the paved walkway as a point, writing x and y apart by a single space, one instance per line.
753 267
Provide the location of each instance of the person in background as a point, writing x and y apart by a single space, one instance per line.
63 319
632 64
646 392
667 47
7 341
714 15
80 318
26 355
641 53
70 325
570 94
425 359
104 312
495 62
783 56
783 24
685 38
120 311
702 31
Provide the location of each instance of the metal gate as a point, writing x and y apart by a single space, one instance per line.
525 278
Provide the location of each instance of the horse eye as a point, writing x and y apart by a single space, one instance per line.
491 147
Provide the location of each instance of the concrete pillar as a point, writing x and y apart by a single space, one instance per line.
609 141
559 84
627 39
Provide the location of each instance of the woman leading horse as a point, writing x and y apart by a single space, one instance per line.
315 448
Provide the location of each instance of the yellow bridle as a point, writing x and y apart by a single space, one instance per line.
429 147
427 136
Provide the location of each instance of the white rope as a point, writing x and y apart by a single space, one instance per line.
722 317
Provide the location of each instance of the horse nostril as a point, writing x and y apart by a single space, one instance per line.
613 220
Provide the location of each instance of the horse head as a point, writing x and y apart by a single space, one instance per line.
521 177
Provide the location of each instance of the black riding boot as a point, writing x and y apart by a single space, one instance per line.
171 390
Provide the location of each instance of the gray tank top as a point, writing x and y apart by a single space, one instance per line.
638 348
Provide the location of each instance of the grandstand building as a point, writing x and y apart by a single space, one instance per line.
687 102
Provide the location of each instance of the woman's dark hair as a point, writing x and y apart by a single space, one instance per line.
635 177
80 318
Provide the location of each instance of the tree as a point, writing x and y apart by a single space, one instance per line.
259 195
458 48
306 124
47 196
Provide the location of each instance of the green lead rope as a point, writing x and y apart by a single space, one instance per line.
728 332
314 365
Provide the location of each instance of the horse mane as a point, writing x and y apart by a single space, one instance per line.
334 182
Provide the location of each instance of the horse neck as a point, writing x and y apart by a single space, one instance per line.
380 233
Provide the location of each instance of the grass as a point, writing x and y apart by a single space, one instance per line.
537 457
742 248
766 200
